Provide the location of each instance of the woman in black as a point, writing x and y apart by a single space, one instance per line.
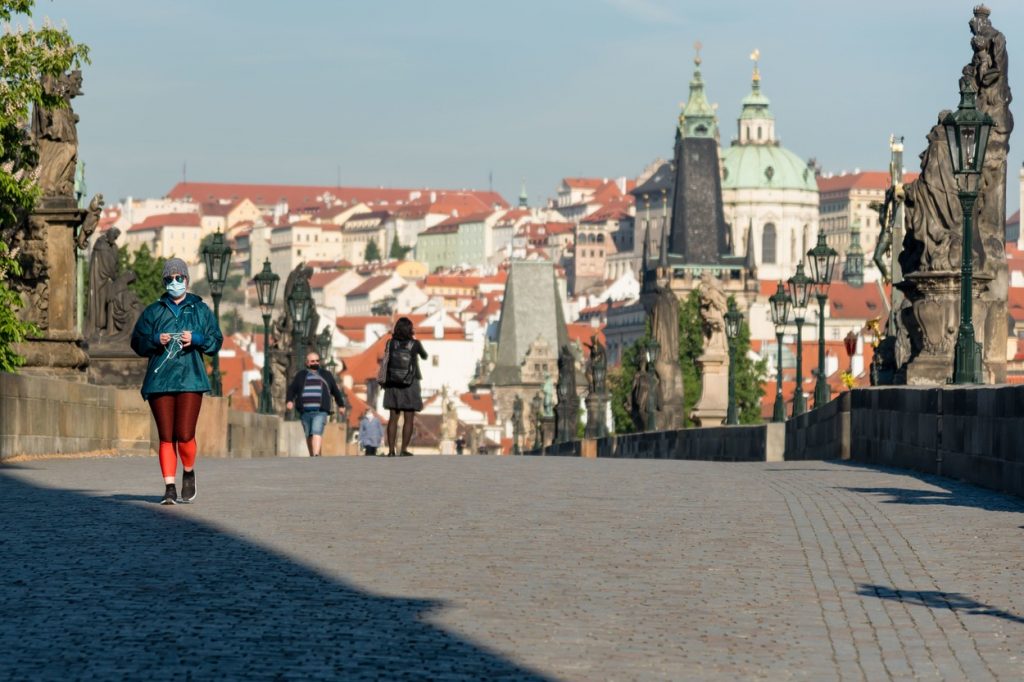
402 387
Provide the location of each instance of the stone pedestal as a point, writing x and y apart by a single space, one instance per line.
447 446
930 328
547 424
713 405
597 408
49 290
115 366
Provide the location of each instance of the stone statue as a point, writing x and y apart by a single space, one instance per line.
567 409
549 395
597 366
449 421
103 272
56 134
664 313
123 308
927 320
646 388
283 365
713 404
517 424
92 219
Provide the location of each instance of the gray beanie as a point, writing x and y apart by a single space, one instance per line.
175 266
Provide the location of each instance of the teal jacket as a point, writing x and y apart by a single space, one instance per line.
172 369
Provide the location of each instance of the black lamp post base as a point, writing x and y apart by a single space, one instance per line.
967 360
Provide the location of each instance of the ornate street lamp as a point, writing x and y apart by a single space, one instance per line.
733 317
823 261
967 132
538 427
780 316
653 349
217 258
266 290
800 295
300 302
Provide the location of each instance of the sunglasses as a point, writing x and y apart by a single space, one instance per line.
174 278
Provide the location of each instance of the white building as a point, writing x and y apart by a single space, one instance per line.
769 194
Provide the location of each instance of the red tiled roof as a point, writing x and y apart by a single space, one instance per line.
441 280
1014 219
321 279
877 180
216 208
583 183
581 333
363 366
477 217
856 303
347 322
481 402
441 228
369 285
314 195
1015 303
154 222
614 211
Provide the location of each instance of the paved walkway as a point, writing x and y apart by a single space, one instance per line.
511 568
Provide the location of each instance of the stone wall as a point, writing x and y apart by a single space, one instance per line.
970 433
759 443
42 417
823 433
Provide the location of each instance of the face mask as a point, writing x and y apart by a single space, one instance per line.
175 289
314 365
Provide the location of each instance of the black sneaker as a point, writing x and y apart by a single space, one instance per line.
170 495
188 486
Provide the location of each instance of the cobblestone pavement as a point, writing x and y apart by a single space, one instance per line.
507 568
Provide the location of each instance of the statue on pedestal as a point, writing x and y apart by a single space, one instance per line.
926 324
56 134
597 366
713 404
567 409
517 425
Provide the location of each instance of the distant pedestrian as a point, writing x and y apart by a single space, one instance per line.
312 388
371 433
174 333
400 375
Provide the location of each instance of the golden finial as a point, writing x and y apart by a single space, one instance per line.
755 57
697 48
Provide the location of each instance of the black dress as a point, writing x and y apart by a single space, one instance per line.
408 398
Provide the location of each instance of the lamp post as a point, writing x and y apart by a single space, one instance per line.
538 428
653 349
799 294
299 303
217 258
780 315
967 132
266 290
732 331
823 261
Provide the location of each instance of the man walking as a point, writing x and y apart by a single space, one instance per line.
313 388
371 433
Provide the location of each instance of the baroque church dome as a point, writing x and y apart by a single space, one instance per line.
756 160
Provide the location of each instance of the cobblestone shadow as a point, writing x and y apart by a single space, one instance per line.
954 601
96 588
953 495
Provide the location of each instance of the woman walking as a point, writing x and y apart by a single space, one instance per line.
174 332
402 383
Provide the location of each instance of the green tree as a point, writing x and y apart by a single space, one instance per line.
12 330
26 56
372 252
398 251
620 381
149 271
750 378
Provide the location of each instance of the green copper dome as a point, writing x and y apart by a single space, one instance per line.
759 166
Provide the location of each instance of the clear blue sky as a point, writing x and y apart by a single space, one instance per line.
413 93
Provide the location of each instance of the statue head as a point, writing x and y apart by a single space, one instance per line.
112 234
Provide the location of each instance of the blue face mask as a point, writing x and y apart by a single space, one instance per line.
175 289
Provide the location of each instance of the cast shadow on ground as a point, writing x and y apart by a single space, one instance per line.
99 588
954 601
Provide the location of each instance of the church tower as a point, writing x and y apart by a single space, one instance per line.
699 234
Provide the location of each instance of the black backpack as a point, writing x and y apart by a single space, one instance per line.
401 364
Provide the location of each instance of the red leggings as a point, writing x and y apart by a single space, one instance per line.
176 415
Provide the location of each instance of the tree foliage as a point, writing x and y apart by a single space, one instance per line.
397 251
372 252
750 374
27 53
149 271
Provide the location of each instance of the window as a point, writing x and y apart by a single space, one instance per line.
768 243
435 361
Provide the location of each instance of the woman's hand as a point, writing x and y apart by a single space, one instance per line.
186 339
165 339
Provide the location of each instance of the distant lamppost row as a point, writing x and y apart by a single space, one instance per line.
733 317
780 316
967 132
299 303
266 290
799 294
823 261
217 258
